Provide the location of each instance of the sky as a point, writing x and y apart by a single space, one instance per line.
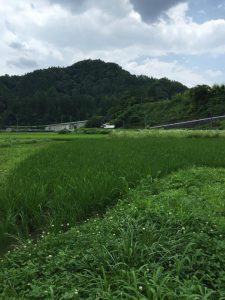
182 40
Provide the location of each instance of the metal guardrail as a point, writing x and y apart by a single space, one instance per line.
186 124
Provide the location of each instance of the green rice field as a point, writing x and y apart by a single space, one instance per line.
124 215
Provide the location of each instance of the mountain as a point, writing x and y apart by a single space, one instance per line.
90 89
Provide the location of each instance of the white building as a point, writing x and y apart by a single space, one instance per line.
71 126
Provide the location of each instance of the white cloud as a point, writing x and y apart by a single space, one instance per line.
214 74
175 71
54 35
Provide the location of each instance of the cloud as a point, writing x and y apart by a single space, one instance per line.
16 45
175 71
77 6
117 8
23 63
61 32
214 73
150 10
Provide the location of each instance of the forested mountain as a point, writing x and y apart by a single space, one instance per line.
90 89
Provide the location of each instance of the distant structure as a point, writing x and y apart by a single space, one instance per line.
108 126
70 126
17 128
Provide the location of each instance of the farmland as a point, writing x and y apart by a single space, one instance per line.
127 215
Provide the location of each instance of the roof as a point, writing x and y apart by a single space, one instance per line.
67 123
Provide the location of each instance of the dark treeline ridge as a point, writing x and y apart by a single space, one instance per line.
82 91
97 91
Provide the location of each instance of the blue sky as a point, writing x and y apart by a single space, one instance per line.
183 40
204 10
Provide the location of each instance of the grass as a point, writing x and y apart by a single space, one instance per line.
178 133
165 240
20 137
14 153
69 182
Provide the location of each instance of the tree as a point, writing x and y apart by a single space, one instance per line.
200 96
95 122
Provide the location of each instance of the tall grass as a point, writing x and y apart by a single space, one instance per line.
179 133
166 240
67 182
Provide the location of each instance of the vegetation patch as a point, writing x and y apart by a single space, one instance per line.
166 240
174 133
68 182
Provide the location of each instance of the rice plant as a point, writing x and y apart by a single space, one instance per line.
68 182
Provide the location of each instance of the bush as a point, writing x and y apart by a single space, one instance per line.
95 122
93 131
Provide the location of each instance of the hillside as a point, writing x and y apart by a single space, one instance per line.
199 102
86 89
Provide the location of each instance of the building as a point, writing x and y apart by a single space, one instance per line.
70 126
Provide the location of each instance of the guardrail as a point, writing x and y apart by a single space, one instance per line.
191 123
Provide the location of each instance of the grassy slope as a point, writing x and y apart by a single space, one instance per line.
165 241
155 113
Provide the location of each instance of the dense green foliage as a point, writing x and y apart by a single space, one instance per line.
198 102
78 92
102 92
69 181
165 241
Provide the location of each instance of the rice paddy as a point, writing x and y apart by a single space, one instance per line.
114 217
